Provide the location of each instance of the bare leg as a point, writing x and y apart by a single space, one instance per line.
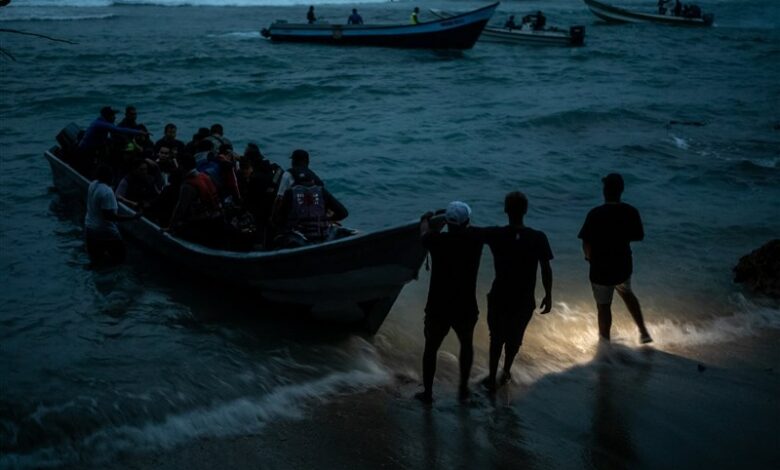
605 320
632 304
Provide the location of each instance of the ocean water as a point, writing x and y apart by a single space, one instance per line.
137 359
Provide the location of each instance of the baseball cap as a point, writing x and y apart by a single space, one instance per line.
458 213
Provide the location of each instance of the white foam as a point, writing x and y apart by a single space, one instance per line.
680 142
239 416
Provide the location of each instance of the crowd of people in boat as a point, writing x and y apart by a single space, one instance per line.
202 191
680 10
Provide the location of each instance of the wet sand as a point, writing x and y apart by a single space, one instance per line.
626 408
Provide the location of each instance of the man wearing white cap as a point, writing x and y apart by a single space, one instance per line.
452 301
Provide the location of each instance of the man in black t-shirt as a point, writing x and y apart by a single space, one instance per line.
451 296
606 234
517 252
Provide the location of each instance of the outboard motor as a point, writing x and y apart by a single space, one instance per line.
577 34
69 138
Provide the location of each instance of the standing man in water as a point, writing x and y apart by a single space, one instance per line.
310 15
606 236
452 301
517 251
101 234
414 19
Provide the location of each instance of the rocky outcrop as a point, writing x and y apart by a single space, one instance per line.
760 270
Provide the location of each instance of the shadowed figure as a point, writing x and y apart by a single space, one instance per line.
606 236
517 252
452 301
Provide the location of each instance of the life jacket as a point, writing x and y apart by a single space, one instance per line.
304 176
307 211
207 204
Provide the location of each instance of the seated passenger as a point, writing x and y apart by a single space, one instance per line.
138 188
510 23
305 207
167 164
541 21
258 190
677 8
192 145
264 167
198 214
162 208
169 140
216 136
221 168
97 138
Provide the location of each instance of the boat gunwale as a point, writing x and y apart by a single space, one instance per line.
243 256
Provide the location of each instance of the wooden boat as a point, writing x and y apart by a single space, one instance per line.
620 15
457 32
351 281
575 36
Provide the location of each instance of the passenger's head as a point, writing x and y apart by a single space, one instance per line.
354 10
204 145
216 129
164 153
515 206
108 113
300 158
458 214
512 17
139 167
104 174
187 162
131 113
252 151
202 133
416 9
613 187
170 130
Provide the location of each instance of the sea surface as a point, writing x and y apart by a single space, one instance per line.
139 359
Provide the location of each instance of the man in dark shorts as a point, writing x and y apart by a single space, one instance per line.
606 236
452 301
517 251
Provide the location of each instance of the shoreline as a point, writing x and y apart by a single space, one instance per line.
627 408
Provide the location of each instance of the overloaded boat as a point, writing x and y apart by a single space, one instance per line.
457 32
575 36
620 15
351 281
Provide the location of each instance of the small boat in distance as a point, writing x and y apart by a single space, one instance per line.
457 32
575 36
352 282
620 15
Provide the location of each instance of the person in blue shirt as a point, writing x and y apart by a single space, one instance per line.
355 18
96 138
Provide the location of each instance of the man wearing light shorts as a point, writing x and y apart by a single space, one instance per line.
606 236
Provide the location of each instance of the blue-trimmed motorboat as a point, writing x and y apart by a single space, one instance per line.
614 14
456 32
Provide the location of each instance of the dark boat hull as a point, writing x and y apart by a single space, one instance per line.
459 32
352 281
